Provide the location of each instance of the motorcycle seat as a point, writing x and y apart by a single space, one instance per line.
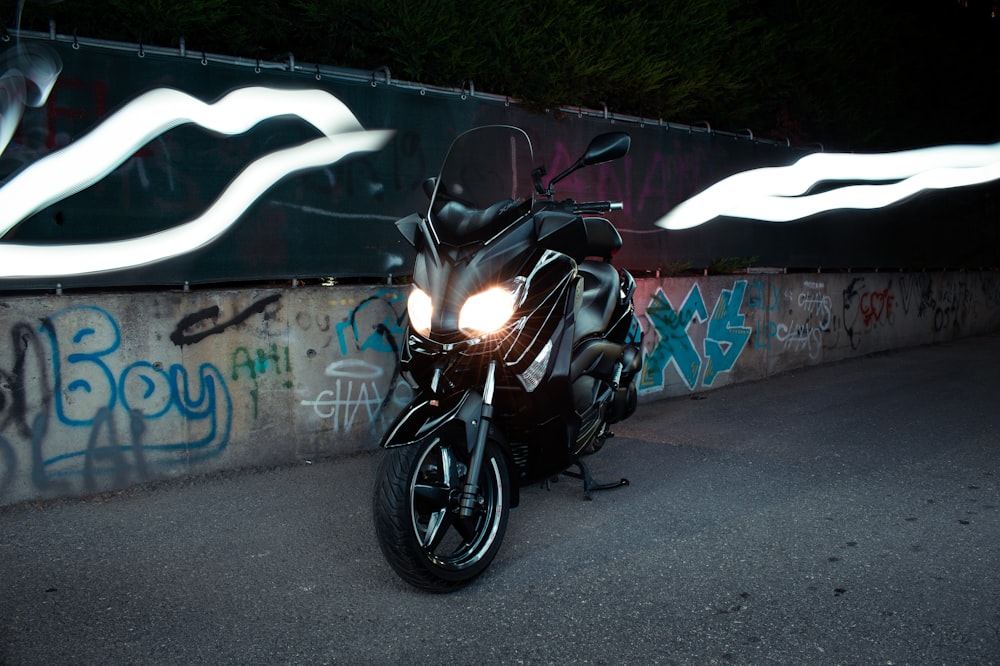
460 222
600 280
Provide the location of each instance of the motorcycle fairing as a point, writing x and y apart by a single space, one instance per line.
579 238
599 282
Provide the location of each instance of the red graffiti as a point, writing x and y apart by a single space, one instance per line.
876 306
74 106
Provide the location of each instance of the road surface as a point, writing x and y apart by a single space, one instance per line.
840 514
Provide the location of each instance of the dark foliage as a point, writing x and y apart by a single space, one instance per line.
856 74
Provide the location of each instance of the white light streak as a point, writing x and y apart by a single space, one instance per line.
20 65
94 155
777 194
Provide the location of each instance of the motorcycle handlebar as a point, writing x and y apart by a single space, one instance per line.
597 206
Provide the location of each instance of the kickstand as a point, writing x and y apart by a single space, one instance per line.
589 484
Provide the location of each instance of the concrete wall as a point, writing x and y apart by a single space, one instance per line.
100 391
703 333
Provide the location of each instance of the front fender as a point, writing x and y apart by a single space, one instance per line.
425 417
455 416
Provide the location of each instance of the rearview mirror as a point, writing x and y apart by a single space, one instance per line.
603 148
606 147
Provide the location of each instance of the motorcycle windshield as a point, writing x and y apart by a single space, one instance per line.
484 185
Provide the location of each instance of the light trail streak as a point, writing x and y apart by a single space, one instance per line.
779 194
27 74
94 155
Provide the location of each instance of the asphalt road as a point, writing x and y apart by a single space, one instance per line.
842 514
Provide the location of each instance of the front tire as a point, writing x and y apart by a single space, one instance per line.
419 529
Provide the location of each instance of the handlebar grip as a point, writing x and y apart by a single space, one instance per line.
598 206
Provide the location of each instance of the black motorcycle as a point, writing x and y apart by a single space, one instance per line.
522 347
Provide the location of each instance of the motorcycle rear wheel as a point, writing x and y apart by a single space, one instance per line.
419 529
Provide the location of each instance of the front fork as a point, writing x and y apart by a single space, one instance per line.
470 491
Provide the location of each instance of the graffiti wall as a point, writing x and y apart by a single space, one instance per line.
98 392
102 392
703 333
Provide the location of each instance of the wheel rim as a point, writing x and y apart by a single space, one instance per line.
448 540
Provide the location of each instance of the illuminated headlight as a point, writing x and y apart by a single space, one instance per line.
487 311
420 309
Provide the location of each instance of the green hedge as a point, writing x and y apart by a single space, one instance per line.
854 72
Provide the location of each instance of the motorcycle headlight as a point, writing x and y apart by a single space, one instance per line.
420 309
487 311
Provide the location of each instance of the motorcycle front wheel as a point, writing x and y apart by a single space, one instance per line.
416 513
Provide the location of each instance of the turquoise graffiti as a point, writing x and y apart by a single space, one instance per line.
385 324
129 411
364 382
726 337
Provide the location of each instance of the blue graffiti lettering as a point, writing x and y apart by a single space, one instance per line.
145 400
727 336
674 345
385 332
